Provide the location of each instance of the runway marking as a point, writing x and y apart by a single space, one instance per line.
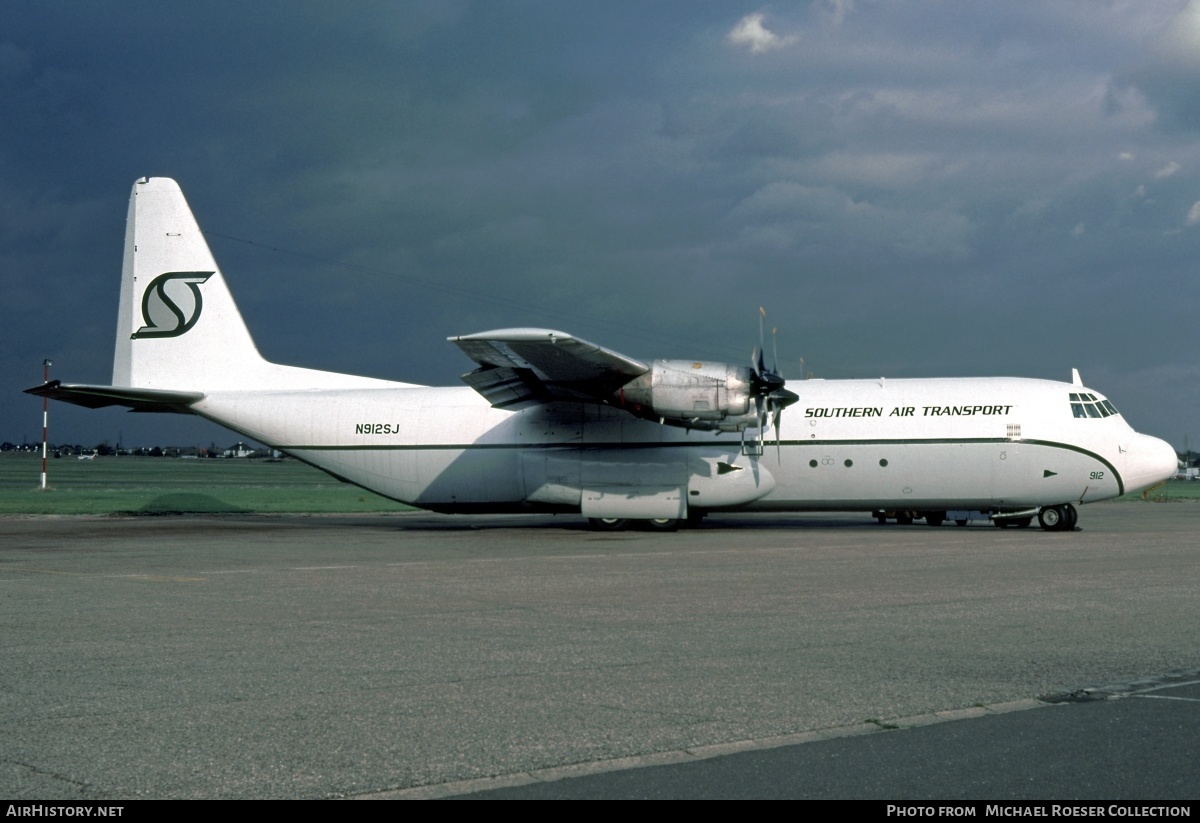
318 568
1168 697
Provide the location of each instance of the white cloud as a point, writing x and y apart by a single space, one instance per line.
1079 230
751 32
1166 171
874 169
1194 214
785 219
1126 155
839 9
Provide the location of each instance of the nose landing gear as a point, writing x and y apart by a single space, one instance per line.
1060 518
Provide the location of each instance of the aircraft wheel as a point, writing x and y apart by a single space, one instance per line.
935 518
904 519
881 518
607 524
1002 523
663 524
694 518
961 522
1052 518
1023 522
1072 517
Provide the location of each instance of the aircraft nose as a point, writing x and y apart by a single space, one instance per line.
1149 461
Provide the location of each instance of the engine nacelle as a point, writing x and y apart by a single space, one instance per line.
691 394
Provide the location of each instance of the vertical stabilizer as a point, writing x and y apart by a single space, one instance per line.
178 327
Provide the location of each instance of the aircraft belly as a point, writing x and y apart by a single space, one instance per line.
937 475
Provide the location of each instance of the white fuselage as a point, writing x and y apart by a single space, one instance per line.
967 443
1001 445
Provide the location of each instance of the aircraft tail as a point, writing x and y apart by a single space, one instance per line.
178 328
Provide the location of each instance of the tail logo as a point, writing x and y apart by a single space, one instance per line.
172 303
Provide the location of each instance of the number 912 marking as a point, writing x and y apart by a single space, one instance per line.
1097 475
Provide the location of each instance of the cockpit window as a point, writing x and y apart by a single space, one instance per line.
1085 405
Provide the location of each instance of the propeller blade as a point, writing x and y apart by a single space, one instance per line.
767 387
762 316
778 435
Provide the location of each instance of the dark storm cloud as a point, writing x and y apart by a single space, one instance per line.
1168 74
911 189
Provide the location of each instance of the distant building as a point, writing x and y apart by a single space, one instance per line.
238 450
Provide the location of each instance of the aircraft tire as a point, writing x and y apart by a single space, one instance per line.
1023 522
960 522
904 519
881 519
1052 518
1072 517
663 524
607 524
935 518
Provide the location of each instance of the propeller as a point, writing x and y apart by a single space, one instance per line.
767 387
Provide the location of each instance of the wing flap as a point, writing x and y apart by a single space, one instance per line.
507 388
527 366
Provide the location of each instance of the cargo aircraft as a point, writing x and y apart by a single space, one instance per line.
551 423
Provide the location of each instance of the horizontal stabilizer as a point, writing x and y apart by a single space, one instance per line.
96 397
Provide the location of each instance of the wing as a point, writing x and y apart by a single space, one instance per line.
95 397
521 367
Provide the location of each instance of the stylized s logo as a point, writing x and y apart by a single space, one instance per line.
171 304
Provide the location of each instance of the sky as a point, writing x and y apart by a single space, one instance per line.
910 189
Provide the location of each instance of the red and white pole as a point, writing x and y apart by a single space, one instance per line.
45 419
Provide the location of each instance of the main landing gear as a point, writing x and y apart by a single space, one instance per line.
616 524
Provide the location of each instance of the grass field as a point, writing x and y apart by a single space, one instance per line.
163 485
